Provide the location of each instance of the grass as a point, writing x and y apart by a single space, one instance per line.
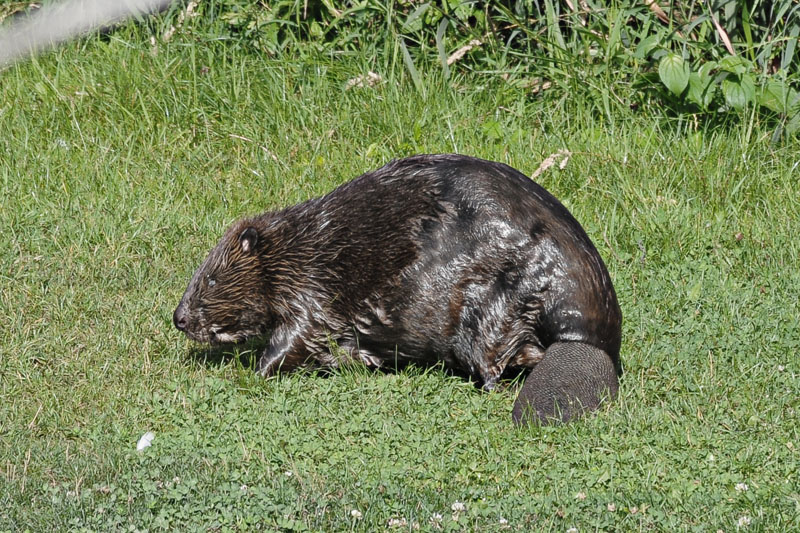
121 165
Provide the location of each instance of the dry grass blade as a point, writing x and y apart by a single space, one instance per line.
661 14
584 7
458 54
722 33
9 9
655 8
370 79
562 156
536 88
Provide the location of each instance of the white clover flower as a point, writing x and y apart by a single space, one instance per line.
503 521
572 530
458 507
741 487
288 473
436 517
355 513
611 507
397 522
744 521
580 496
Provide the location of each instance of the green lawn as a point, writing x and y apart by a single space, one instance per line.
121 165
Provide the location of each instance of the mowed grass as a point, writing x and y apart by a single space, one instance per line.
121 165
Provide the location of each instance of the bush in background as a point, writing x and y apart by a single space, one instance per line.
694 57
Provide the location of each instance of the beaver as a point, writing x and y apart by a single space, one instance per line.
431 258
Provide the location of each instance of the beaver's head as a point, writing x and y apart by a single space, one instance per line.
227 298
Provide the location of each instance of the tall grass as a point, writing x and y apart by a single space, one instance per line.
700 58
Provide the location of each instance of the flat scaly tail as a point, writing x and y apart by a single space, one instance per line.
573 378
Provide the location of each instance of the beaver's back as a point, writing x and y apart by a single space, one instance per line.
579 300
423 238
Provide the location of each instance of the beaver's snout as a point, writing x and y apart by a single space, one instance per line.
179 317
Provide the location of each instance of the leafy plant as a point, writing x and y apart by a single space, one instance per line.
721 57
732 55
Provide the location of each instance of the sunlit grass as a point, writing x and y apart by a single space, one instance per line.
121 164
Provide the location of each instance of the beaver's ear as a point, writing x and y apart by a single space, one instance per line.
248 240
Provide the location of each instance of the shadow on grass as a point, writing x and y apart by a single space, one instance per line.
246 355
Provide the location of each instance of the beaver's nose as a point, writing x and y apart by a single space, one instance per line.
179 317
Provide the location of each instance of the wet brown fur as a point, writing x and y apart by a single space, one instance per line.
430 258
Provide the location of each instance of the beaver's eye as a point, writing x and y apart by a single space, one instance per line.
211 282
